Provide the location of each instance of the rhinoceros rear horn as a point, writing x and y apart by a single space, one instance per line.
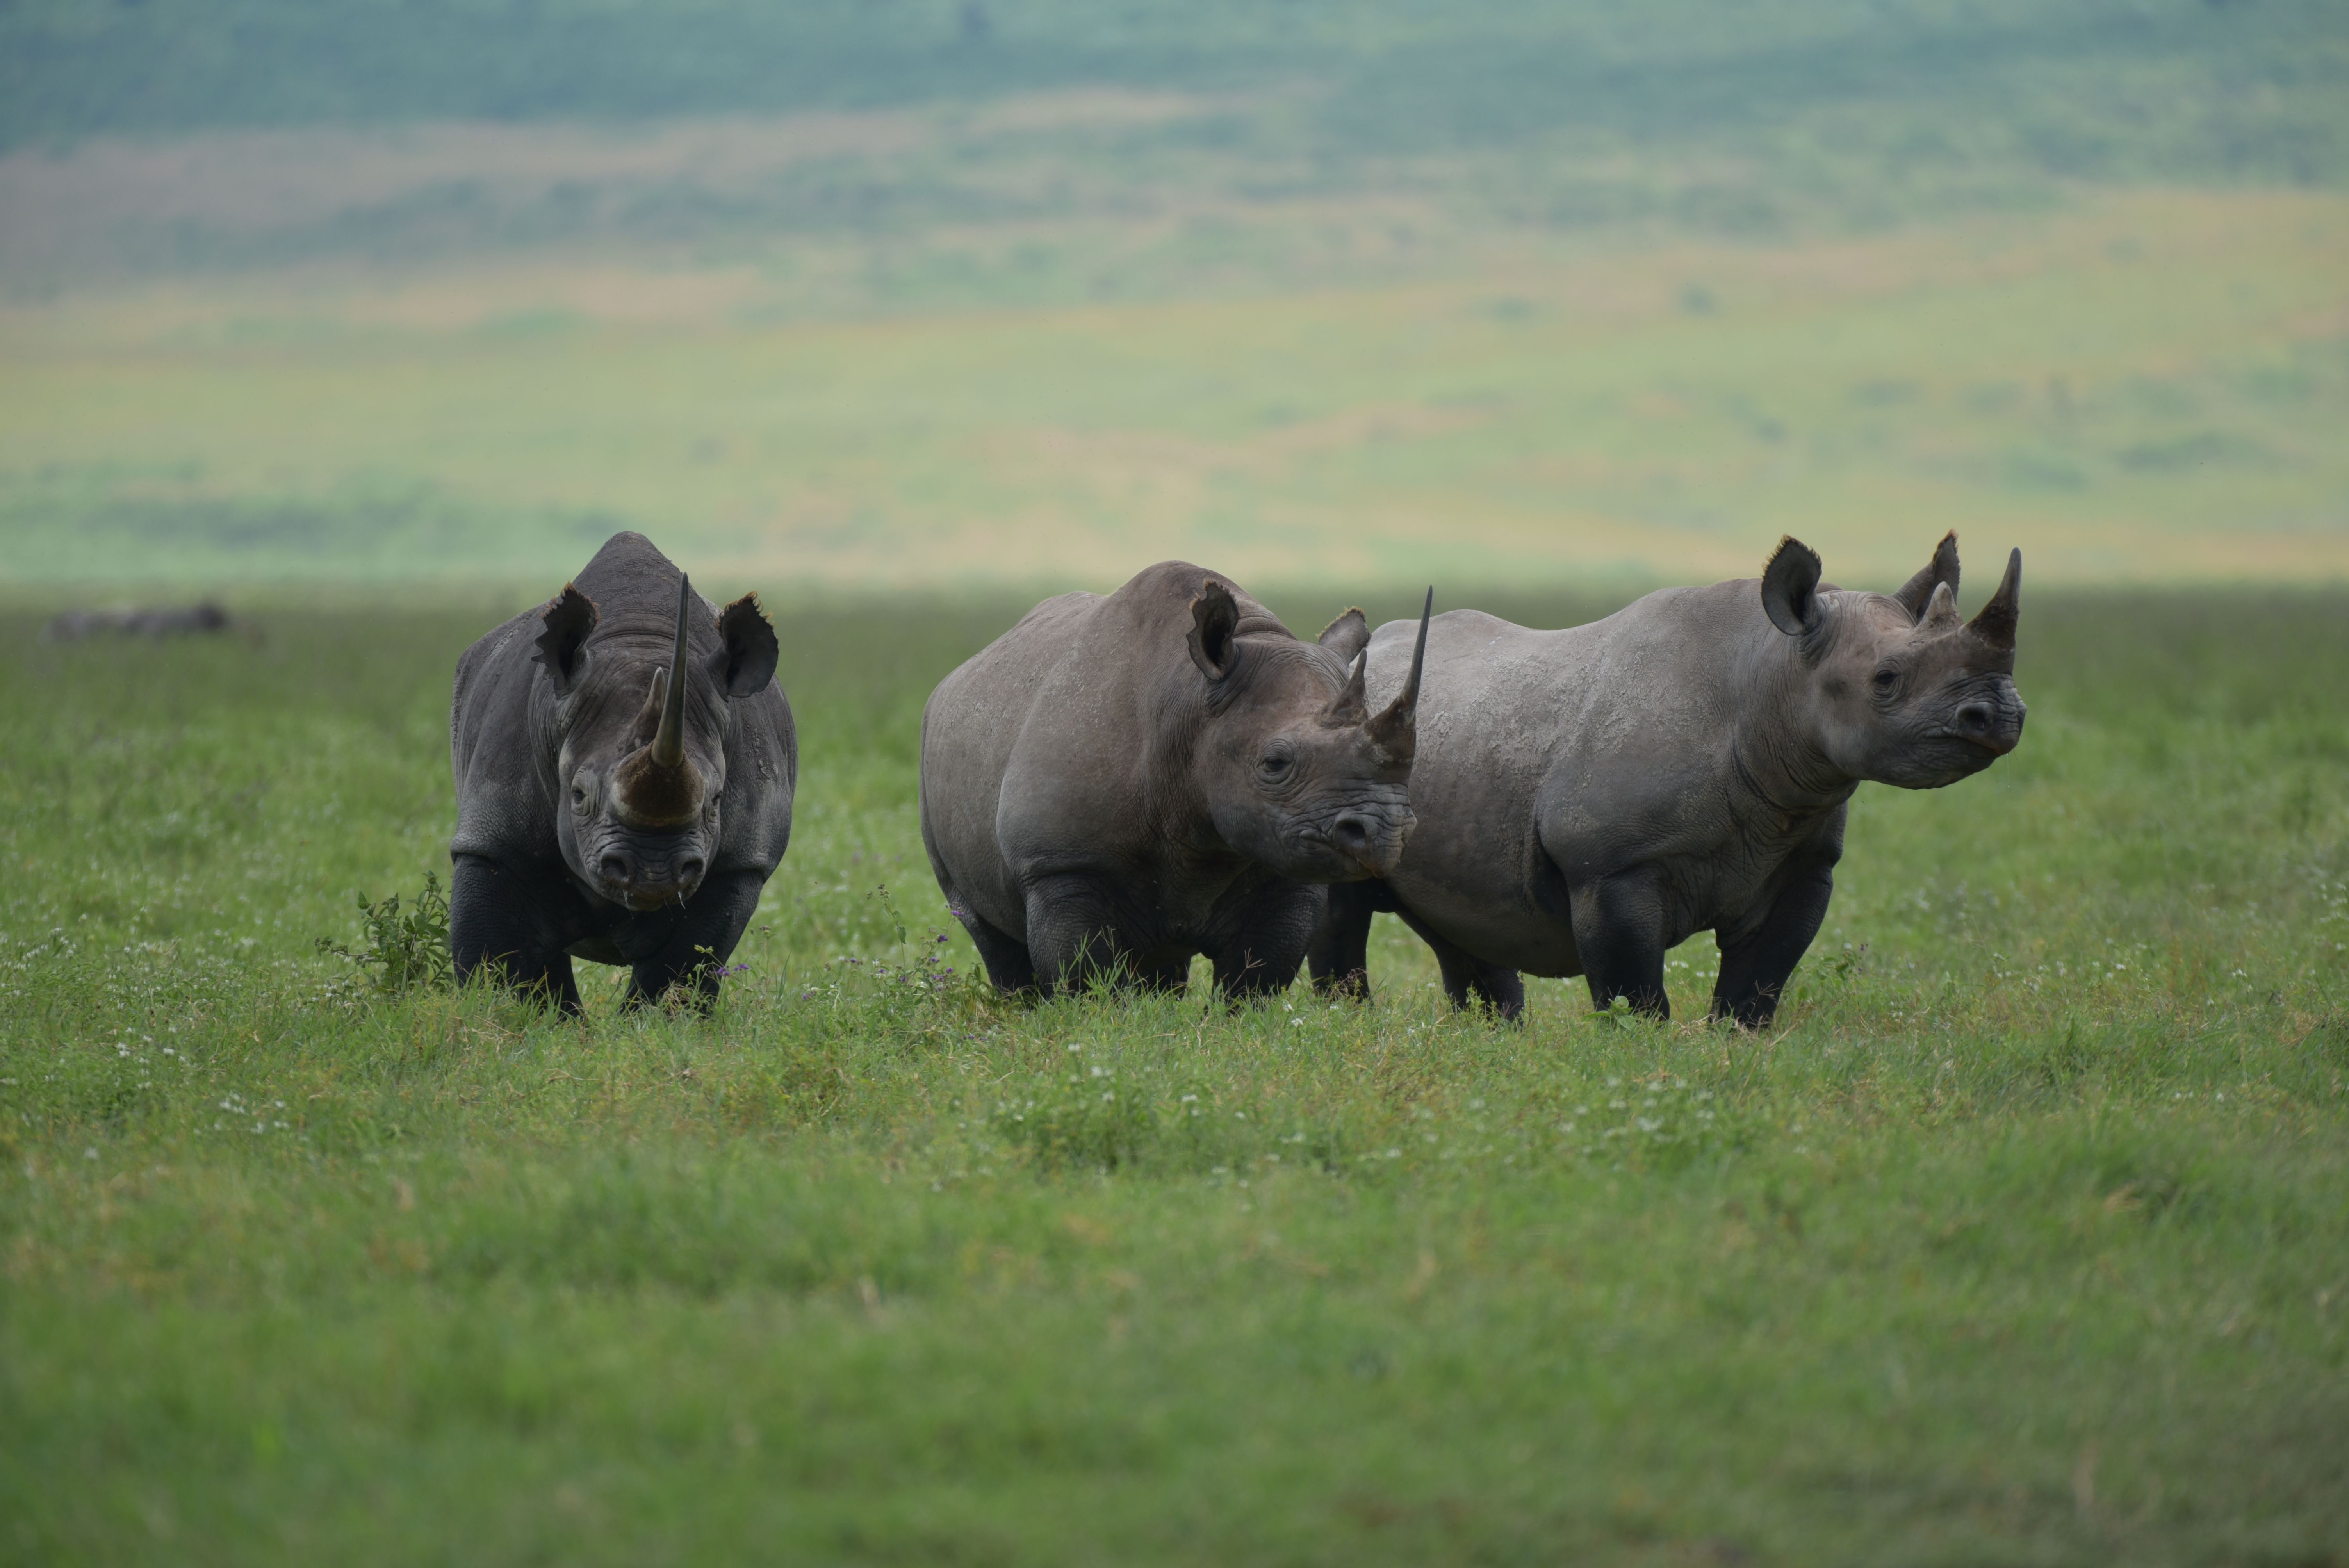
1352 705
1941 608
1994 621
1917 592
747 663
1348 636
1396 731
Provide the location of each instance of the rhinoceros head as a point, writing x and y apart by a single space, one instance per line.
1903 690
643 724
1298 774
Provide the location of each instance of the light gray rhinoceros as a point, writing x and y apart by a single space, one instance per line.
1117 784
1588 799
625 765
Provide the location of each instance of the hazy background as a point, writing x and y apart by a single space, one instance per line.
904 293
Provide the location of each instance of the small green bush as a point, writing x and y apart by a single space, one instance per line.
403 951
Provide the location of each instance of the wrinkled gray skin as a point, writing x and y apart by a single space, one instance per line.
588 827
1591 797
1117 784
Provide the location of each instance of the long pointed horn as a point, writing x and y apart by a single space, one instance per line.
1397 729
659 787
668 744
1994 621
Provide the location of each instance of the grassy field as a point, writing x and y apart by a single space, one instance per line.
2023 1239
2020 1240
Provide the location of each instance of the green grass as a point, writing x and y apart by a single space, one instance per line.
2020 1240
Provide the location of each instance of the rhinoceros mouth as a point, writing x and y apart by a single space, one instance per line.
645 901
1974 752
1942 760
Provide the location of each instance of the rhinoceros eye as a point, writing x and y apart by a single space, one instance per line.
578 796
1886 680
1275 764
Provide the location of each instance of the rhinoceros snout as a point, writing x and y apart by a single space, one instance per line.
1377 843
1995 726
641 884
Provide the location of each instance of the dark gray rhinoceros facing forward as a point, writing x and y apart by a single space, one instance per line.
1588 799
624 765
1117 784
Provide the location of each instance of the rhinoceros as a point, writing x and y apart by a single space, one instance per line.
625 767
1119 783
1591 797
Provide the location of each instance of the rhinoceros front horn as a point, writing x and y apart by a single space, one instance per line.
659 787
1994 621
1396 731
669 742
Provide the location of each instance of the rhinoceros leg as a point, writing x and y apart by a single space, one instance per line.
1005 955
1469 980
1338 956
1073 933
497 919
1258 933
1162 969
1618 934
1757 962
700 942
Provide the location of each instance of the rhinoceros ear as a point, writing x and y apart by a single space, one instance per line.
1215 620
1790 588
1347 636
562 647
1917 592
747 663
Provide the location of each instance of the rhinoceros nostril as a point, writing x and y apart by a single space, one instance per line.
689 868
1975 718
612 868
1352 834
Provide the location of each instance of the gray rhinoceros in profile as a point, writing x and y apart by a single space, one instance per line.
1588 799
625 765
1119 783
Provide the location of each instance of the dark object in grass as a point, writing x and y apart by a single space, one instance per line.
1589 799
156 623
595 742
1117 784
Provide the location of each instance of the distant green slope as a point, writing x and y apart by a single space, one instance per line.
2101 88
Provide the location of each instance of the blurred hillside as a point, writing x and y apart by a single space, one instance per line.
1754 119
898 291
2093 89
